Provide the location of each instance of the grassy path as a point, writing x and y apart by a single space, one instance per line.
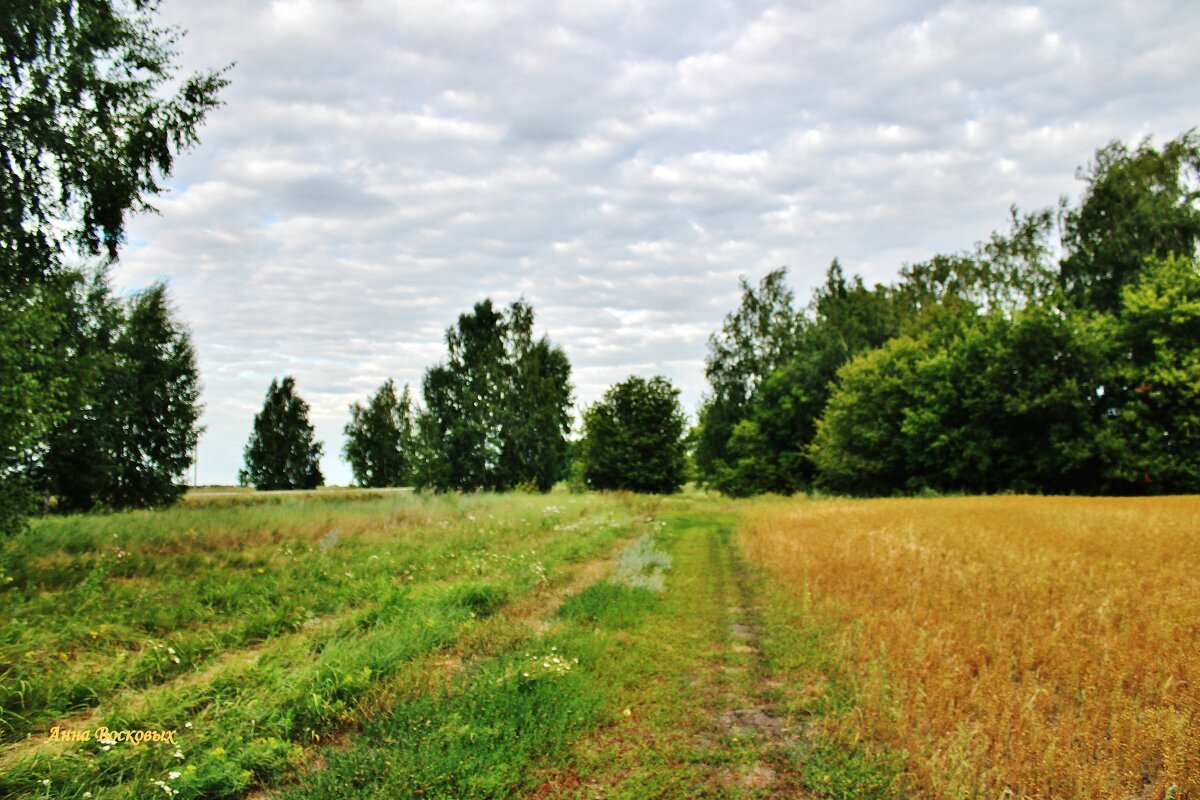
691 674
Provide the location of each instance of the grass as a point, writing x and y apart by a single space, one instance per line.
1010 646
482 732
259 629
476 737
813 686
685 716
392 645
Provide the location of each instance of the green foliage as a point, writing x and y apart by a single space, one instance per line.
539 417
1151 386
576 484
974 404
765 436
633 438
1006 272
88 134
753 341
282 452
1138 204
153 397
857 444
381 439
497 412
78 461
1050 400
33 395
991 369
752 467
129 394
90 130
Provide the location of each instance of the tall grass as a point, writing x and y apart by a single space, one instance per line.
252 628
1011 646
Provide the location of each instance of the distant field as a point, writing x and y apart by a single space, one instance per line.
391 645
202 494
1012 646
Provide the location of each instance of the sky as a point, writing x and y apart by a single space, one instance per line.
379 167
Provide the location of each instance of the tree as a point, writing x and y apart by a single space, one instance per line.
845 317
539 416
88 134
769 433
282 452
754 340
380 438
753 466
154 398
465 397
497 412
1150 383
130 430
1006 272
972 404
31 398
634 438
77 463
858 447
1138 204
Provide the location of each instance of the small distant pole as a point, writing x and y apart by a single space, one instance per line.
196 465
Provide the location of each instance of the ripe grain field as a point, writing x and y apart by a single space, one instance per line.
576 646
1011 646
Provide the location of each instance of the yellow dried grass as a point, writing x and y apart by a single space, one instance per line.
1011 646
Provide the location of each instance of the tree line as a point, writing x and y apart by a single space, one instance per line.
1061 355
496 417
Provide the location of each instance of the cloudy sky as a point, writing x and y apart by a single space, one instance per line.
380 166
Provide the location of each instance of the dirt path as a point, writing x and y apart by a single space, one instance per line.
700 722
751 710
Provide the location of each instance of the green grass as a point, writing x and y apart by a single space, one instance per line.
392 646
478 739
607 605
292 620
97 600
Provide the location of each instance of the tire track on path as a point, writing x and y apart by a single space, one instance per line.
693 714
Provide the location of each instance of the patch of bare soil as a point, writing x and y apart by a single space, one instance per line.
751 714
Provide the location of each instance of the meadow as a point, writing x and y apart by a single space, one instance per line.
389 645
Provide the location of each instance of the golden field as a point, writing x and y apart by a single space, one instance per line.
1008 646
